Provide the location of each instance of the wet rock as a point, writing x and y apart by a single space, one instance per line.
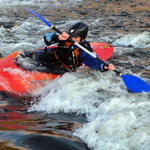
123 14
116 26
83 12
146 74
1 55
144 25
147 14
139 54
7 24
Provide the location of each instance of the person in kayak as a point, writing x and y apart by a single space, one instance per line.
67 56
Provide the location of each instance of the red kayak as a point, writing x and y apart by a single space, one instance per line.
19 82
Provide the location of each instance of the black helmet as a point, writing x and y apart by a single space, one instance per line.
79 29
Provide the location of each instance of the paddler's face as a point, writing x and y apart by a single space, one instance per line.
76 39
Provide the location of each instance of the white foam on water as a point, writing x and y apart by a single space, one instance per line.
56 3
17 38
141 40
122 124
117 119
9 3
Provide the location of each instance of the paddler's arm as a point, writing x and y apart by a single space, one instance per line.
94 63
51 38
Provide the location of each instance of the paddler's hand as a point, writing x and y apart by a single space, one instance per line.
110 67
64 36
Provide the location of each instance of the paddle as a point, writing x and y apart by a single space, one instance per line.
133 83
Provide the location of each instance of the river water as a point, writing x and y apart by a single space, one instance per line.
85 109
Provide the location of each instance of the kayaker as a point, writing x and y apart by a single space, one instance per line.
66 56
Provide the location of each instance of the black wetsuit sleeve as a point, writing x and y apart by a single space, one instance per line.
50 38
87 46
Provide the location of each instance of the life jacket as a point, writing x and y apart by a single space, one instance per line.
67 56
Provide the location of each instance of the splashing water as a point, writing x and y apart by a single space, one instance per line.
138 41
116 118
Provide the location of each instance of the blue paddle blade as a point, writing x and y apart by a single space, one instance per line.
135 84
37 15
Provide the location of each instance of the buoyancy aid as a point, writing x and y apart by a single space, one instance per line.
67 56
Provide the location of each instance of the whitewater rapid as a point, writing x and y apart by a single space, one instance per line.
116 118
